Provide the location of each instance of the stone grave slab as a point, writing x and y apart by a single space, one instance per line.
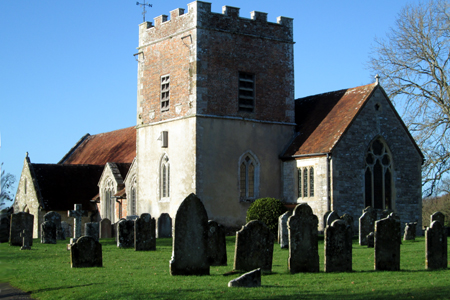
437 216
86 252
338 247
283 231
26 240
77 213
125 233
250 279
145 233
105 229
410 231
387 244
436 254
92 229
53 216
366 224
164 226
19 222
48 232
217 248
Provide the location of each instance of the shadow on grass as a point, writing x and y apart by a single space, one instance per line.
62 288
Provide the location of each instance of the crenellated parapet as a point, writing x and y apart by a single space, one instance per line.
199 15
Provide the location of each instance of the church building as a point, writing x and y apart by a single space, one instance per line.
216 116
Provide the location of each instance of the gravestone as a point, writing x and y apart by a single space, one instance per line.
387 244
125 233
164 226
436 256
370 238
86 252
324 221
250 279
77 214
26 240
217 248
338 247
283 232
303 241
131 217
54 217
366 224
348 219
190 239
66 230
437 216
4 228
19 222
105 229
92 229
48 232
331 217
145 233
410 231
385 213
254 247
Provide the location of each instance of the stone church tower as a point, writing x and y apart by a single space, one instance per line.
215 110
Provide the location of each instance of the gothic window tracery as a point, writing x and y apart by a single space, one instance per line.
165 177
248 177
132 197
109 200
305 182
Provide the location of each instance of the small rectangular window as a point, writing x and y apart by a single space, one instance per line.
165 92
246 92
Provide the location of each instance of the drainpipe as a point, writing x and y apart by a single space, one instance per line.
328 183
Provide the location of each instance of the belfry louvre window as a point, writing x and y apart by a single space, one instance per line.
378 176
246 92
165 92
305 182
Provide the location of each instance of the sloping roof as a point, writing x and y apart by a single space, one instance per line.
322 119
62 186
116 146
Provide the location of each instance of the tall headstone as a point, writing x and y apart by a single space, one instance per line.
410 231
164 226
387 244
77 214
65 229
125 234
366 224
437 216
283 232
348 219
145 233
217 247
331 217
48 232
4 228
338 247
53 216
436 255
190 239
105 229
19 222
92 229
86 252
303 241
254 247
26 240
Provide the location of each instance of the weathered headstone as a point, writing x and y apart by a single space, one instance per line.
92 229
303 241
348 219
283 231
131 217
164 226
105 229
387 244
125 234
86 252
145 233
217 248
437 216
19 222
190 239
65 229
250 279
370 238
332 217
436 256
26 240
366 224
55 217
338 247
48 232
410 231
77 214
4 228
324 221
254 247
385 213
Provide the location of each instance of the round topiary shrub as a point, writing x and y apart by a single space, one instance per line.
266 210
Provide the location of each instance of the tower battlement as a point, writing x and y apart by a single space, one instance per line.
199 15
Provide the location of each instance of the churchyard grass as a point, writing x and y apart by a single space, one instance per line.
126 274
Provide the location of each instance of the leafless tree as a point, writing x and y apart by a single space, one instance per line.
413 62
7 182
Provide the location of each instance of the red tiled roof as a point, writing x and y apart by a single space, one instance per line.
116 146
62 186
322 119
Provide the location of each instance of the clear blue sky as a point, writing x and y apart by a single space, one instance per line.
67 67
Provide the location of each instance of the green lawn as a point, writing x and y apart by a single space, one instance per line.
126 274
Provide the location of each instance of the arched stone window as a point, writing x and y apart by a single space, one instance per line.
378 184
305 182
164 177
248 177
132 202
109 201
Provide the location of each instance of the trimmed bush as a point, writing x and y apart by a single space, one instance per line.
266 210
